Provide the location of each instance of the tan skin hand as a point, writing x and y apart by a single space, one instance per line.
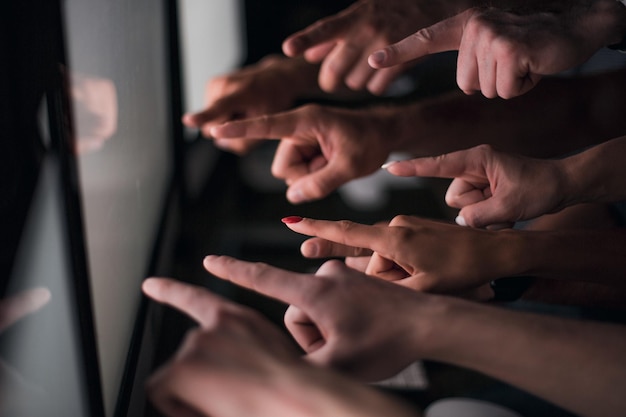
492 187
420 254
321 149
504 53
253 91
239 364
328 311
233 349
344 41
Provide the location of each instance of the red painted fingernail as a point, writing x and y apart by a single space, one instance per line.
291 219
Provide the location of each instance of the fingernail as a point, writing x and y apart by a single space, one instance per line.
208 258
388 164
213 131
460 220
291 219
295 45
378 57
295 195
310 250
187 120
150 285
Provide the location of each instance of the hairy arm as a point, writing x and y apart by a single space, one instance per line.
558 116
577 365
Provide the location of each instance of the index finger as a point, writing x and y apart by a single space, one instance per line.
318 33
457 164
440 37
274 126
286 286
197 302
343 232
218 112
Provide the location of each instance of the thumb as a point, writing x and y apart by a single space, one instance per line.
485 213
316 185
442 36
450 165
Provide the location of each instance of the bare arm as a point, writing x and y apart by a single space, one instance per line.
577 365
559 116
238 364
438 257
598 174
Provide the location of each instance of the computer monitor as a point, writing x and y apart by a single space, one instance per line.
90 140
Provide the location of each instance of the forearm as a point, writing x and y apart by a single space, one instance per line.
599 22
596 175
318 392
577 365
558 116
597 256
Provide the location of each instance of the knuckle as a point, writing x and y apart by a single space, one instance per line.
399 220
331 267
424 35
311 110
346 226
320 29
261 269
484 149
324 288
397 239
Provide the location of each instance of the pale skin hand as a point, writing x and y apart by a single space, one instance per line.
322 148
327 311
238 364
420 254
492 187
535 353
268 87
438 257
344 41
504 53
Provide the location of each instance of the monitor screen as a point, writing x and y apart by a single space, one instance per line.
89 167
118 64
90 141
48 364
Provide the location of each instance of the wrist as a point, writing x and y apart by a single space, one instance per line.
537 253
578 179
414 132
445 312
431 314
508 253
392 124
